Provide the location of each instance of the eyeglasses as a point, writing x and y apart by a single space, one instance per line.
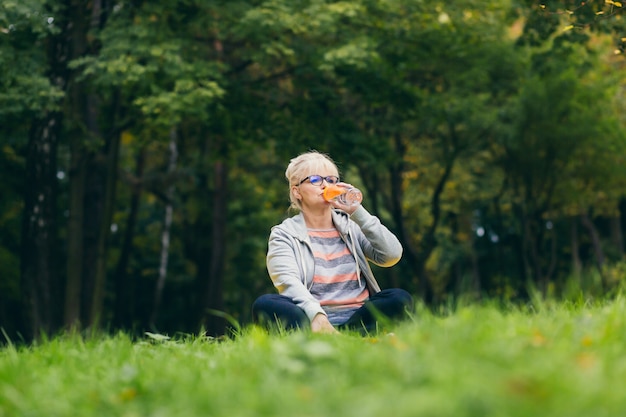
317 179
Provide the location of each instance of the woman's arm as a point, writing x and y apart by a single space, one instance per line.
378 243
285 270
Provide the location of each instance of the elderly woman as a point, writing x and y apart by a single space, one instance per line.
318 259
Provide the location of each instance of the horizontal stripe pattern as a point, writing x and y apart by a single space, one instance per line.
335 282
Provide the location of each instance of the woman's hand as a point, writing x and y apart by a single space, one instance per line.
320 324
336 204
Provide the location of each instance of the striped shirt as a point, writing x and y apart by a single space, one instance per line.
335 282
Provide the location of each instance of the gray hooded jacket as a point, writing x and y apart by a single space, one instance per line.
290 261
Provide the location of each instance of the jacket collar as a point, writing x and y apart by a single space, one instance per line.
296 226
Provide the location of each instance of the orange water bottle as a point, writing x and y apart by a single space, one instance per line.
347 196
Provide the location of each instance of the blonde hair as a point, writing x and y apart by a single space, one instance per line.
300 167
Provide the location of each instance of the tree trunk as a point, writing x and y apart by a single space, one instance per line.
110 156
595 239
39 278
410 253
476 278
41 286
73 284
411 256
622 220
616 234
110 181
125 287
93 209
86 194
213 297
576 263
553 256
76 290
165 235
429 240
531 247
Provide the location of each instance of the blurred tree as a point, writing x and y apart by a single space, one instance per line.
552 130
419 89
32 89
482 133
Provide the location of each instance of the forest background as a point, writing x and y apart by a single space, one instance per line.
144 145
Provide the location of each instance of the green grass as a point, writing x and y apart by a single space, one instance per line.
550 360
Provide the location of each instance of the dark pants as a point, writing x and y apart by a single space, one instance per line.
391 303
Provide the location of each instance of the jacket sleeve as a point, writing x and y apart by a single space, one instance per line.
283 266
379 245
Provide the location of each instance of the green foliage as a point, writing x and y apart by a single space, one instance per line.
455 118
571 18
145 51
10 223
24 86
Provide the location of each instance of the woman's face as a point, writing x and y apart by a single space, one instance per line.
310 191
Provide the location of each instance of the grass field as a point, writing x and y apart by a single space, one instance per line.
548 360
